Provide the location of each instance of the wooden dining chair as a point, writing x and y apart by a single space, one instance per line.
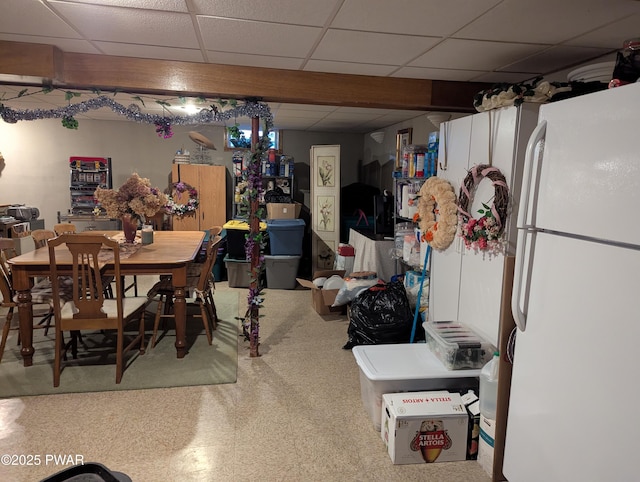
41 294
41 236
64 228
90 310
7 251
162 292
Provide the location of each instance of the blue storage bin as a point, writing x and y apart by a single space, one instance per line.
285 236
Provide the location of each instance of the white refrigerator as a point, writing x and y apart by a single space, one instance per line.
575 389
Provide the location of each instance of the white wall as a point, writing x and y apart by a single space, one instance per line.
384 153
36 157
35 171
298 144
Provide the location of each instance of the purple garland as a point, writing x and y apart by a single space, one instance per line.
253 177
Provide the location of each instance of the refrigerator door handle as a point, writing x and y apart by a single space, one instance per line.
537 135
519 315
518 303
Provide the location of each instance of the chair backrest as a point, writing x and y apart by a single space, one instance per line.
6 289
41 236
88 254
64 228
7 251
215 230
209 261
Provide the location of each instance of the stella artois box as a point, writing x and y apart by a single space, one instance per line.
424 427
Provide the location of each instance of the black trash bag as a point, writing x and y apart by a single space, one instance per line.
277 195
380 315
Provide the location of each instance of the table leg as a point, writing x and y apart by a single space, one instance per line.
180 312
25 315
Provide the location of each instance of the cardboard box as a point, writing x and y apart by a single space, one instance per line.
472 402
283 210
404 367
321 300
419 427
486 446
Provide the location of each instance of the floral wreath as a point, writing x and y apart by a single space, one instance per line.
483 234
437 191
177 189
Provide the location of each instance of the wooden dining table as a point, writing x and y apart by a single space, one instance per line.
169 254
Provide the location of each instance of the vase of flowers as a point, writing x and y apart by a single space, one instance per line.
129 227
135 200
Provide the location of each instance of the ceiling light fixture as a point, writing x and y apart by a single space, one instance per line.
438 118
378 136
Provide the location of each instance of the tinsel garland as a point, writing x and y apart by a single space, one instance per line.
133 113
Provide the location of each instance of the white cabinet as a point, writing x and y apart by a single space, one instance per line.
465 285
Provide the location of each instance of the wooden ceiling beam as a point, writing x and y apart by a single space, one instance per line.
36 64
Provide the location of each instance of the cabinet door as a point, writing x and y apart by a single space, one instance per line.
481 286
444 284
189 174
213 196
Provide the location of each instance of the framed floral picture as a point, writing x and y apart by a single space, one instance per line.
326 171
326 208
403 138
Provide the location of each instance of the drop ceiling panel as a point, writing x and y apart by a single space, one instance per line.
555 58
314 13
32 18
168 5
611 35
436 74
250 37
367 47
150 51
475 55
546 21
115 24
307 109
267 61
417 17
354 68
64 44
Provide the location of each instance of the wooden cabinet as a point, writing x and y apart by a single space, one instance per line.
210 182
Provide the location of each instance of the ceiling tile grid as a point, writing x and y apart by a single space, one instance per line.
456 40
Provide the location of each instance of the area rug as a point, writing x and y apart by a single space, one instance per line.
95 371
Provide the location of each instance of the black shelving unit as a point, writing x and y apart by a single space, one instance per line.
269 182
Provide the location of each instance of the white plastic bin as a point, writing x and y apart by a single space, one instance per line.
405 367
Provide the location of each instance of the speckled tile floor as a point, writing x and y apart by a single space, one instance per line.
294 414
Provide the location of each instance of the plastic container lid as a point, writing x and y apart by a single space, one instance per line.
404 361
241 225
284 223
454 335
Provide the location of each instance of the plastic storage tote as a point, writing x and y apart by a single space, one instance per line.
285 236
238 272
404 367
457 346
236 232
282 271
